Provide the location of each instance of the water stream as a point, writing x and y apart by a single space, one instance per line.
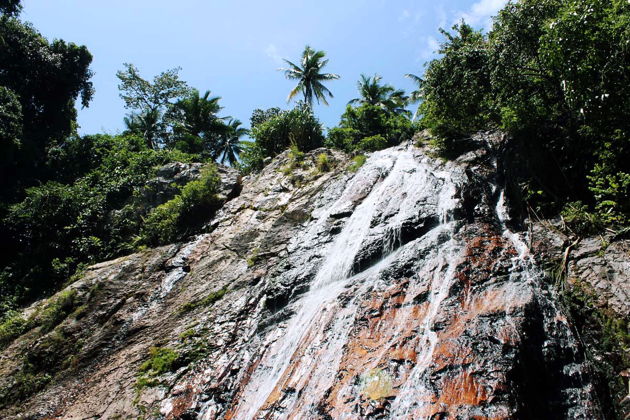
407 182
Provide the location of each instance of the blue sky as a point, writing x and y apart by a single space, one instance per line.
234 47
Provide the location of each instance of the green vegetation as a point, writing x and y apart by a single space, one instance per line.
383 96
47 317
323 164
185 213
209 300
357 162
161 360
39 363
298 126
608 337
310 77
368 128
552 74
92 211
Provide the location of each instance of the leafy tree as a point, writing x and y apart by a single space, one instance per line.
310 77
45 78
554 75
230 144
10 7
10 125
456 87
92 212
385 96
368 128
298 126
197 128
148 125
259 116
150 99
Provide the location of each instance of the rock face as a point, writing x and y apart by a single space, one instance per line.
394 292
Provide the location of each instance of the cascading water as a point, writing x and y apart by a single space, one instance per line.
406 184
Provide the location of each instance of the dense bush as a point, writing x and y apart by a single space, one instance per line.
554 75
281 129
368 128
39 84
92 213
185 213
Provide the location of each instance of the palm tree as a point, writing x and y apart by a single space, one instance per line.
416 95
230 143
197 115
146 124
310 77
385 96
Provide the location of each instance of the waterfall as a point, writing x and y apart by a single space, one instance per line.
407 182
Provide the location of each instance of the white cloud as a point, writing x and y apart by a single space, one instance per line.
430 47
406 14
272 52
480 13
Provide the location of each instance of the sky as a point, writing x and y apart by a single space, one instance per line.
234 48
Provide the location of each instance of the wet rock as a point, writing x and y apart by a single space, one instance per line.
397 291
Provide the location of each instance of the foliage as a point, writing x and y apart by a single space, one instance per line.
10 7
229 147
161 360
310 77
553 74
56 310
455 88
11 327
92 213
368 128
196 126
10 125
151 102
607 336
39 84
298 126
323 164
260 116
209 300
383 96
579 219
185 213
357 162
148 125
252 157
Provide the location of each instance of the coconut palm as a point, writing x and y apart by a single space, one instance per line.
230 142
416 95
147 124
197 115
310 77
385 96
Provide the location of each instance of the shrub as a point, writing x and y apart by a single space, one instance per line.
372 143
205 302
161 360
369 128
297 126
11 327
357 162
252 157
323 165
185 213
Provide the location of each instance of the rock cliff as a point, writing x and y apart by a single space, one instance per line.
401 290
